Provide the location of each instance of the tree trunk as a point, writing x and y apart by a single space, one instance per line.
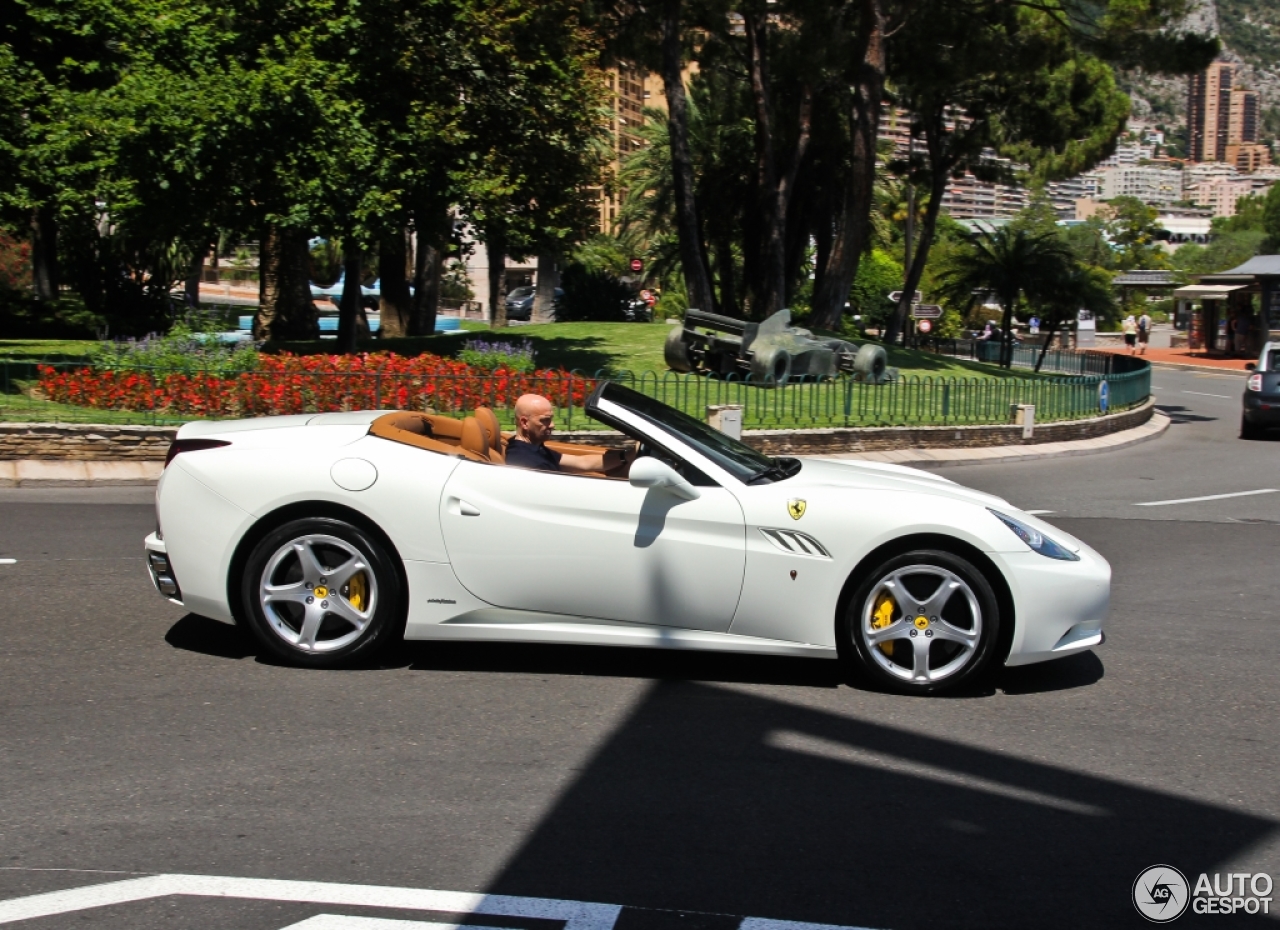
853 227
544 298
928 229
495 247
693 261
1006 336
44 254
191 289
285 310
725 272
428 262
1048 339
397 304
351 305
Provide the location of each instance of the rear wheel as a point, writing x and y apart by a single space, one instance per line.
922 622
675 352
320 593
1249 430
772 366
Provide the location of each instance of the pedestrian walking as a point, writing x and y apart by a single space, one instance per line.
1144 332
1130 327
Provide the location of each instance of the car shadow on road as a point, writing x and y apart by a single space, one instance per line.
709 801
1178 414
193 633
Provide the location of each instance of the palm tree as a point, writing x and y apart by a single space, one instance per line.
1080 287
1008 264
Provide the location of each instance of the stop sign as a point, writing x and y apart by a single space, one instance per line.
636 264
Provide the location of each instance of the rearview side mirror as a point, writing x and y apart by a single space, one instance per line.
649 472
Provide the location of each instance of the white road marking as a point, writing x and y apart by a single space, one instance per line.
1039 513
793 741
576 915
1203 394
8 561
761 923
1209 497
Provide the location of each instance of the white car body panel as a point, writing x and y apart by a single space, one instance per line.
559 543
557 558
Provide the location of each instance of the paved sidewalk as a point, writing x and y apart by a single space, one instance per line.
1182 358
63 474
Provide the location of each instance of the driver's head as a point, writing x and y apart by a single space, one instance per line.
534 420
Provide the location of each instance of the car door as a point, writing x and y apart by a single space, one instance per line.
594 547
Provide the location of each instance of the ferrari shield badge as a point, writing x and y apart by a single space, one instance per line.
795 507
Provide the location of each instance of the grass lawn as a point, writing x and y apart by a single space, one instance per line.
615 347
627 347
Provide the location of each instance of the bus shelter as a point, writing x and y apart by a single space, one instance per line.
1232 312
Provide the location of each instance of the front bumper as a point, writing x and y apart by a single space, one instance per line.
161 572
1061 607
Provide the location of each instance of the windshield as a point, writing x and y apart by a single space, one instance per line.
520 293
739 459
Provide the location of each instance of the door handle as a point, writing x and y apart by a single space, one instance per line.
467 510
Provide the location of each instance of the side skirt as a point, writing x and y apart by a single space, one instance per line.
498 625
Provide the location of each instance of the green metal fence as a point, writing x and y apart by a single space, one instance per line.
163 397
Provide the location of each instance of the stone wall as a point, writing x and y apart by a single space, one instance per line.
75 442
84 443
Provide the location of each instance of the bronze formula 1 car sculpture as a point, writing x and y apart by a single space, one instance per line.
770 352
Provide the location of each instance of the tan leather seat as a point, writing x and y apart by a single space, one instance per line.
493 433
474 440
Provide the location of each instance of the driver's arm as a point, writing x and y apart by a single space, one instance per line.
614 462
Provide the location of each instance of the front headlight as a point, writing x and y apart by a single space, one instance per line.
1036 540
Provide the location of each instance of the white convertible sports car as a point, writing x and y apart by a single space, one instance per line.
329 535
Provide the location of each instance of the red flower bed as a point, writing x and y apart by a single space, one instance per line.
312 384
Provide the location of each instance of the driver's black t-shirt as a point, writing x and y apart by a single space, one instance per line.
526 455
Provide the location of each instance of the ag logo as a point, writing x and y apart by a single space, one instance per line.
795 507
1161 893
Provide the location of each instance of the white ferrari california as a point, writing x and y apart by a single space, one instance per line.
330 535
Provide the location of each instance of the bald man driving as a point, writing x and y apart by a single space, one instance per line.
534 425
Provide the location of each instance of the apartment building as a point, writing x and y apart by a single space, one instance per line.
1147 183
1221 114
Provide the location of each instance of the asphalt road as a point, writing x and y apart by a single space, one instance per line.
693 791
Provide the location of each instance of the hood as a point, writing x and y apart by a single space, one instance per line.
882 476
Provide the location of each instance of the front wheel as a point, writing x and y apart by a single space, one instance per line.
321 592
922 622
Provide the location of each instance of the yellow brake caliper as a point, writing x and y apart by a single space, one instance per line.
881 617
358 591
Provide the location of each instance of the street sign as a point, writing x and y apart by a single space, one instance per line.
637 265
927 312
1104 397
925 326
896 297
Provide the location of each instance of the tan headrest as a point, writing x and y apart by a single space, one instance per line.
473 438
489 423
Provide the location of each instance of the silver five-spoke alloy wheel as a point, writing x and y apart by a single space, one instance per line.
938 625
923 621
318 593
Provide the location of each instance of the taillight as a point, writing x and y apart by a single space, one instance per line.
1255 382
191 445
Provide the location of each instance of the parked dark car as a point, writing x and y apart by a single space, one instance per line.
1262 394
520 302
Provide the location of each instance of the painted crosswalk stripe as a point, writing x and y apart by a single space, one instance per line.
1209 497
8 561
347 922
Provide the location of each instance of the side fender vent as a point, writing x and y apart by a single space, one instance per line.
794 543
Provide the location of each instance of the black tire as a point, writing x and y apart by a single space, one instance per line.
970 611
870 362
279 620
675 352
1249 430
772 366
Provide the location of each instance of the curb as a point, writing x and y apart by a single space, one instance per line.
993 455
40 473
1178 366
